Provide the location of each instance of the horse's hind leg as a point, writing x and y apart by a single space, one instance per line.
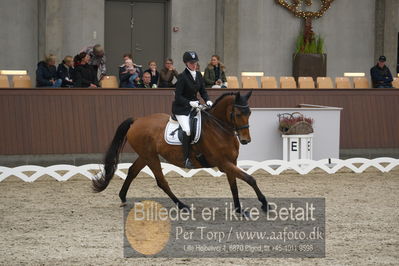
134 170
155 167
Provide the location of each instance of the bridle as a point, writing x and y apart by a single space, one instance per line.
226 127
233 117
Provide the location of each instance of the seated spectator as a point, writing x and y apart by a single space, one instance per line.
128 75
381 75
139 68
146 81
46 73
127 56
97 59
154 73
85 75
65 72
167 74
214 75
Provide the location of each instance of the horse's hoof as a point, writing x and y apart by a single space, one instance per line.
184 208
123 204
244 214
266 208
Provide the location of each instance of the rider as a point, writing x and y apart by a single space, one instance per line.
189 83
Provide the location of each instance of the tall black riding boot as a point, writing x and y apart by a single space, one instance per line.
186 151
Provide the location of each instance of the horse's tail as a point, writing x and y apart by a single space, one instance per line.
112 157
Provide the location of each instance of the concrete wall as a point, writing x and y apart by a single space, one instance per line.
267 35
83 24
32 28
349 30
196 20
391 33
18 31
258 35
70 25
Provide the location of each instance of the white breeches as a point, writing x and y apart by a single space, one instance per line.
184 122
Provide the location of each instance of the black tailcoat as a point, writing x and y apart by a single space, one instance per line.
186 91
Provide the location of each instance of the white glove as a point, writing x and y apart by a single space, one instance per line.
209 103
194 104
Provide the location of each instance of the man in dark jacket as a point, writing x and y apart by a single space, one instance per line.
46 73
381 75
65 72
145 81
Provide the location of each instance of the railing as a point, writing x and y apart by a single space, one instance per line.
273 167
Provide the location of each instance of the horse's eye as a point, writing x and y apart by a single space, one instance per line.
238 115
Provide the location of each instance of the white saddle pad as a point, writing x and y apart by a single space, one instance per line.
172 135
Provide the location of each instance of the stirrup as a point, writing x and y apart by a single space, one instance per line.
188 164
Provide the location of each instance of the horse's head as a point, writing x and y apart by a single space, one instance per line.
239 117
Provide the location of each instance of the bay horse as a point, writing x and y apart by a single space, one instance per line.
226 120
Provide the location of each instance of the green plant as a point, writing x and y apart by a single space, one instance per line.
300 44
320 45
315 46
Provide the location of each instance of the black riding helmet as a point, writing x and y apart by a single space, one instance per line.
190 57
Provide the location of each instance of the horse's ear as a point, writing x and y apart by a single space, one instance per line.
238 97
248 95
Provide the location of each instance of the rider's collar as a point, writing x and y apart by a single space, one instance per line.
193 73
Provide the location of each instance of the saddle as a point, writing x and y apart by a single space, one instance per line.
174 132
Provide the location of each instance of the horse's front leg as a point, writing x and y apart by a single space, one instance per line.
232 175
234 172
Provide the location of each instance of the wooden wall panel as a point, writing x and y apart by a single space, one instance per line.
63 121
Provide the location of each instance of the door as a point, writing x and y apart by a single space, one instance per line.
134 27
397 62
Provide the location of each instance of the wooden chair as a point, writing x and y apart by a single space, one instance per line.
22 81
232 82
249 83
4 81
287 83
109 82
361 83
269 82
395 83
343 83
306 83
324 83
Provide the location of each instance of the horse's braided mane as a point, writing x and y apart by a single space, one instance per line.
223 96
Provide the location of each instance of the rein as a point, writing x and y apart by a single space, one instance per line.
226 127
221 124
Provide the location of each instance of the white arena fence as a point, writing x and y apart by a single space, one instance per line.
30 173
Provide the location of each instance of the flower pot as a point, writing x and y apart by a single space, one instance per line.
309 65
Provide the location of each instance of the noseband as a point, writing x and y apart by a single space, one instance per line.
233 117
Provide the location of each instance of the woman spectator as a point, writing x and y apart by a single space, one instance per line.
46 73
215 76
128 75
167 74
65 72
85 74
154 73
